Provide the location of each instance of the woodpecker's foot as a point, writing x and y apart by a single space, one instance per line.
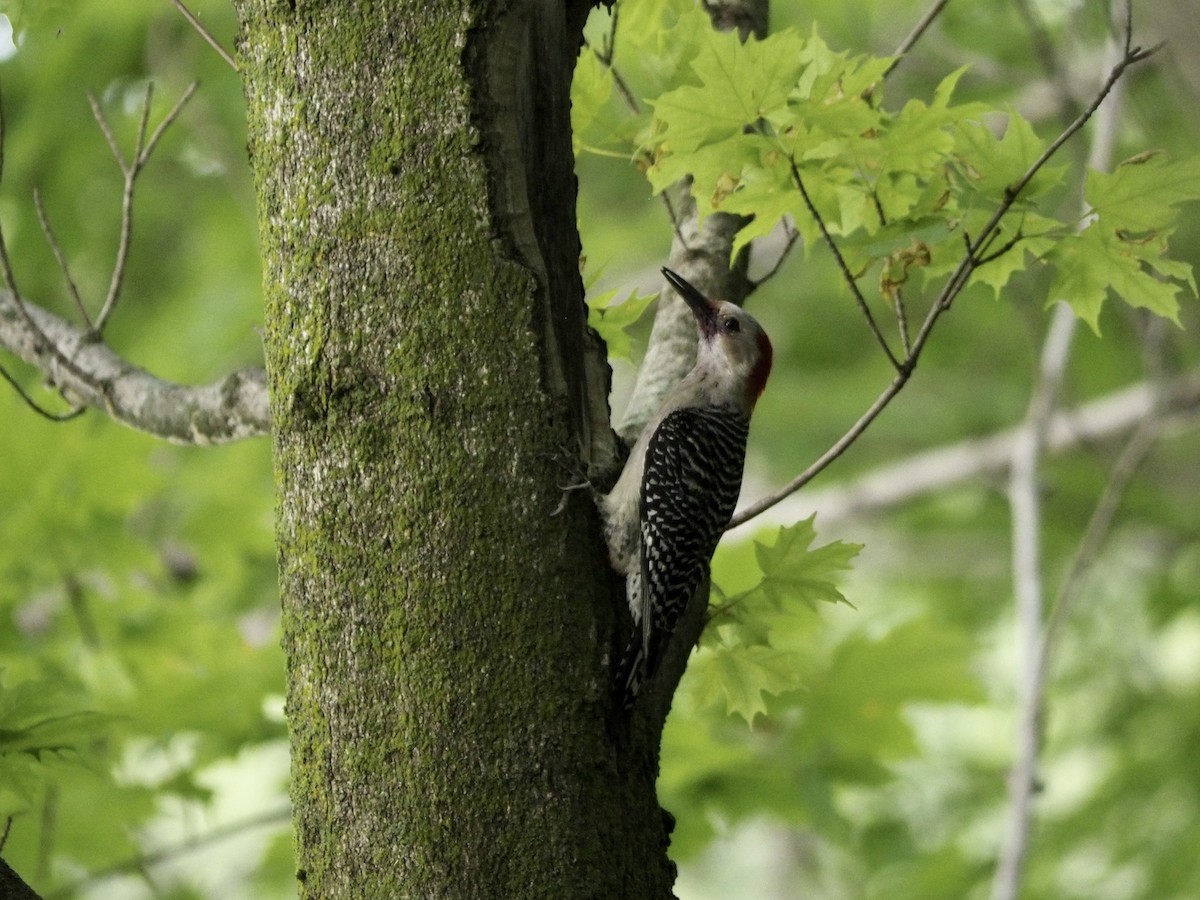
576 479
567 489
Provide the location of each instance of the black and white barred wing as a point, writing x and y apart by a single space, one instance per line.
691 480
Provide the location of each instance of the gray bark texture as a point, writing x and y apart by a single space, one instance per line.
448 639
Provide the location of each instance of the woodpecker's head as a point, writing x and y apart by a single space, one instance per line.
732 343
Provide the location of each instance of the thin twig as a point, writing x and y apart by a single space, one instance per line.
1134 453
10 280
168 119
141 155
206 34
840 446
902 323
915 35
37 407
106 130
792 235
846 275
1105 419
1132 56
996 254
606 54
154 857
72 289
130 172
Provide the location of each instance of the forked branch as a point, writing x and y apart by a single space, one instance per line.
130 170
76 362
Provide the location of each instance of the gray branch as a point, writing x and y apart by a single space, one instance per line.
89 373
887 487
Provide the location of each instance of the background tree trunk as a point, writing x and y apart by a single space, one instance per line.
430 369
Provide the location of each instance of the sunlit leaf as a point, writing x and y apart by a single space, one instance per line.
792 572
610 319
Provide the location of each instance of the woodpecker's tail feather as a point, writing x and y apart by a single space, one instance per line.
636 666
630 672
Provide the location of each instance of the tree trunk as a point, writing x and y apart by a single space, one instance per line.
448 638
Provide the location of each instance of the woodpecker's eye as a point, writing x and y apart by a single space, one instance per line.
733 325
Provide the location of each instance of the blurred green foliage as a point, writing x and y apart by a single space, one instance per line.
139 643
869 741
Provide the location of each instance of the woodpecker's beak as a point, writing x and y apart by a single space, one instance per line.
703 308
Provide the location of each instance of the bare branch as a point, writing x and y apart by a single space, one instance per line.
206 34
791 235
86 371
106 130
267 819
143 123
141 155
170 117
89 373
56 248
126 232
1025 502
34 405
990 456
846 275
915 35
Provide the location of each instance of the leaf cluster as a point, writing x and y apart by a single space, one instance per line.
828 704
903 191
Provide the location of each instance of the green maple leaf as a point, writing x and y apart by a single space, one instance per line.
739 84
1088 266
1142 195
745 677
792 571
610 320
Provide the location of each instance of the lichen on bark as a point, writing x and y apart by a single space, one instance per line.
428 363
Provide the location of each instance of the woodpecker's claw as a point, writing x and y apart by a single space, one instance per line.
566 494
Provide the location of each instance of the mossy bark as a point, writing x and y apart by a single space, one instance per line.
447 636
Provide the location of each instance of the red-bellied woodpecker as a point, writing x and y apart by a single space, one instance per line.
676 494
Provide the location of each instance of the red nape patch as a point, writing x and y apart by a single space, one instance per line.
762 369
